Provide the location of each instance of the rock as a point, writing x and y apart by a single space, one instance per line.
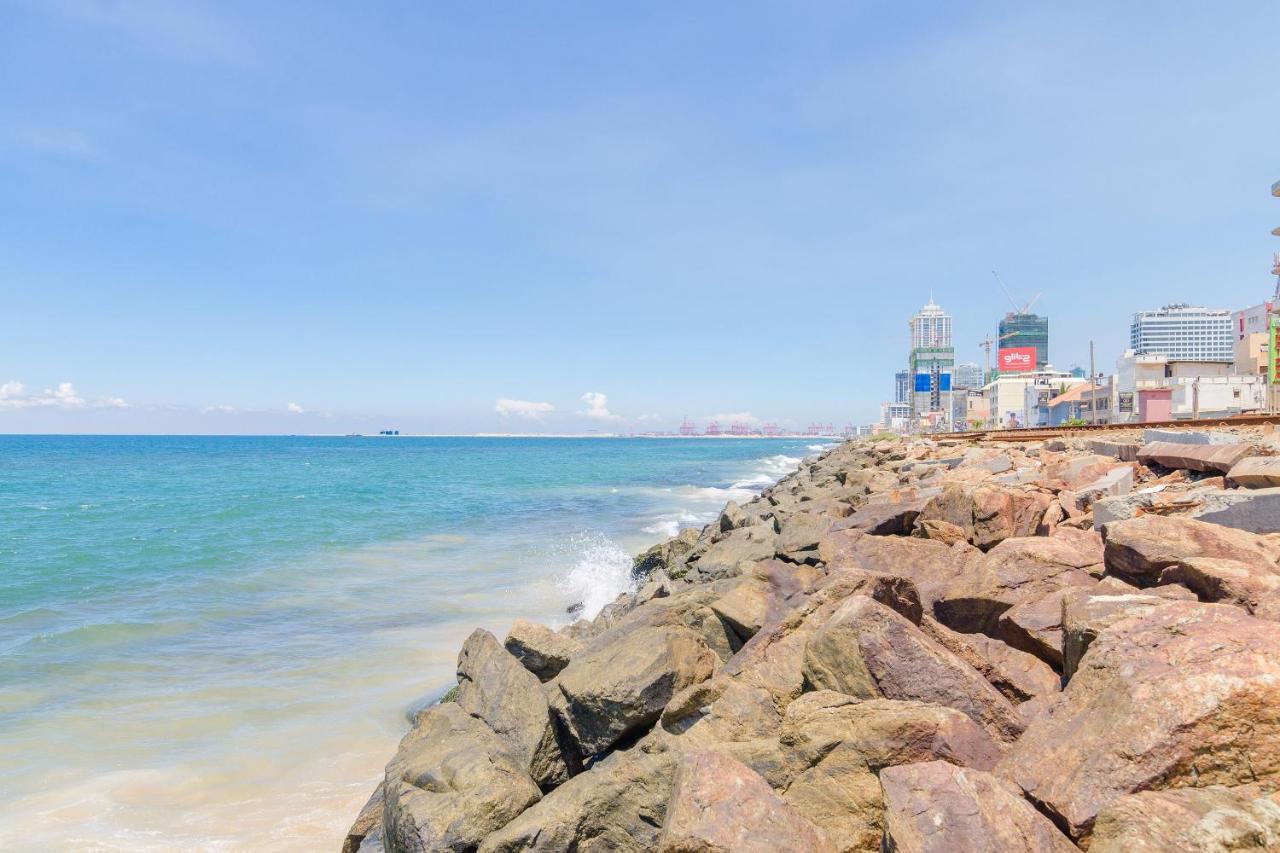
997 464
838 744
1018 676
988 514
745 545
1035 626
1139 549
936 807
801 532
732 517
866 650
368 824
720 804
494 687
539 649
884 519
1254 510
1230 581
1086 614
744 608
942 531
1214 818
1125 451
617 805
931 566
1016 571
1186 695
620 684
1256 472
1117 481
1193 457
1183 436
452 782
667 556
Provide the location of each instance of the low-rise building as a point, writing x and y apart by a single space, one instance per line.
1156 388
1022 399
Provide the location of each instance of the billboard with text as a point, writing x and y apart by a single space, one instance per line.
1017 359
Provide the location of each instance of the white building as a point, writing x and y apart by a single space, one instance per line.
1158 388
895 416
1184 333
930 364
1022 399
967 376
930 327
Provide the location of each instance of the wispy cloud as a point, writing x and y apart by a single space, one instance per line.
14 395
598 407
217 409
58 141
727 418
295 409
522 408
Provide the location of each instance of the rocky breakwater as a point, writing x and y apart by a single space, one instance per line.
907 645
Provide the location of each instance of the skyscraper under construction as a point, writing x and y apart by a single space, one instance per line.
1026 330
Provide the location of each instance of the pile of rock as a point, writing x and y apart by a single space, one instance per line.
911 645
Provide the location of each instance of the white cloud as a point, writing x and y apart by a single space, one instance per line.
522 408
13 396
295 409
598 407
728 418
112 403
652 416
207 410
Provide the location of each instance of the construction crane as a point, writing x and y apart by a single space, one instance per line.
986 345
1025 309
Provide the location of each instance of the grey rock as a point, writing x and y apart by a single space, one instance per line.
1183 436
542 651
1125 451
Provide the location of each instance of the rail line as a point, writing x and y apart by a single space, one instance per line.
1038 433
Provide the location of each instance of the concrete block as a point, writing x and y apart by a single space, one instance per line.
1255 510
1194 457
1256 472
1186 436
1117 481
1125 451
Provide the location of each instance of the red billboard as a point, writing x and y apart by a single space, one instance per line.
1017 359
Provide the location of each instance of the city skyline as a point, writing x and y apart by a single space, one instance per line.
228 218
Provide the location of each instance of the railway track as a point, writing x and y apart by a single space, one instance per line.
1039 433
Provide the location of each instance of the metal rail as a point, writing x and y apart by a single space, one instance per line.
1038 433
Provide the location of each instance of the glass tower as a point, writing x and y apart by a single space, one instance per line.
1026 330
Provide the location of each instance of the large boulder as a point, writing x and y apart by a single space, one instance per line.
668 556
621 682
1194 457
867 651
542 651
725 558
617 805
719 805
1015 571
989 514
1087 613
1018 675
937 807
1186 695
799 536
1256 472
1139 549
1204 819
452 782
931 566
883 519
495 688
835 745
1243 584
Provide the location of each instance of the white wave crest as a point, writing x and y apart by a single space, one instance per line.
600 573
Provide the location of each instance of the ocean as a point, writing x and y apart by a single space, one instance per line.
212 643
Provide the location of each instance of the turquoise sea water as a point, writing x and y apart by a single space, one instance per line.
211 642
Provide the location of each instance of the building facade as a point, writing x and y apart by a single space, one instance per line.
931 363
1184 333
967 377
902 386
1026 330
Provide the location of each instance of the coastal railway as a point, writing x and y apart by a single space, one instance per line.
1039 433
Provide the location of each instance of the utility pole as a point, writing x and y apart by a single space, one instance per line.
1093 383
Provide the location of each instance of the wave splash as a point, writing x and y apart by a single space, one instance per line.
601 572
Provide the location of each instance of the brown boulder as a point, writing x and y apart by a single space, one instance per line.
1229 581
452 782
1087 613
867 651
621 683
883 519
495 688
542 651
1018 675
931 566
837 744
936 807
989 514
1214 818
719 805
1193 457
1139 549
1186 695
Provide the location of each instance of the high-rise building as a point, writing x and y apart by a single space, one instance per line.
901 386
930 364
1184 333
967 376
1026 330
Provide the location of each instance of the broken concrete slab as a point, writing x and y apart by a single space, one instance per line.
1187 436
1256 472
1125 451
1194 457
1255 510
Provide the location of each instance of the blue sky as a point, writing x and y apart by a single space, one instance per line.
297 217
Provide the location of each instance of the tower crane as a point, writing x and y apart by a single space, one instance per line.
986 345
1025 309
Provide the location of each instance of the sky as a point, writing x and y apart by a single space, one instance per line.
288 217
